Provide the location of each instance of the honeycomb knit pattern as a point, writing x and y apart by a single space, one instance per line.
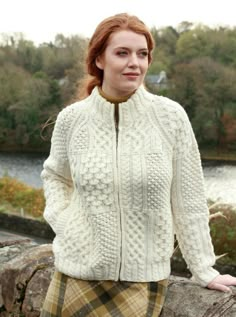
115 201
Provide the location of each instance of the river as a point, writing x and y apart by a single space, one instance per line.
220 180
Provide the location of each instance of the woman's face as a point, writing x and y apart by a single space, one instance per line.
124 63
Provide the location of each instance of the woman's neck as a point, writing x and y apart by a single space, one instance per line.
115 100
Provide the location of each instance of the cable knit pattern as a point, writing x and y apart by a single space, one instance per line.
115 203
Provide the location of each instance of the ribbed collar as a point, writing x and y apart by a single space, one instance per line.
130 110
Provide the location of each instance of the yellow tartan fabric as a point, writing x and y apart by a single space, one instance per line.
69 297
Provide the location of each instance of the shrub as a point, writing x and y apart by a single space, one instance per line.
223 232
17 196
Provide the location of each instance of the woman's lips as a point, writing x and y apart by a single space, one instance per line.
131 75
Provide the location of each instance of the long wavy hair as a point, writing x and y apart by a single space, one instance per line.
99 42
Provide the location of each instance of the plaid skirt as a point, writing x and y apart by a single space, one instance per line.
67 297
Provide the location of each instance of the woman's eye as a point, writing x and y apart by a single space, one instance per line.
122 53
143 54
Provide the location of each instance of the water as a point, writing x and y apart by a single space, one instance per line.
220 183
25 167
220 180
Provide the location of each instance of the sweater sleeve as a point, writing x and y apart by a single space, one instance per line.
189 205
56 176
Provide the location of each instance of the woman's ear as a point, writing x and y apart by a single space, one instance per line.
99 62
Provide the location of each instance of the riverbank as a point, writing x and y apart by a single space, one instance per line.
207 155
40 149
214 160
214 156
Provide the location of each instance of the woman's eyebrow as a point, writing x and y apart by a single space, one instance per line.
128 48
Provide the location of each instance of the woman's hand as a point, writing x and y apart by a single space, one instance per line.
221 283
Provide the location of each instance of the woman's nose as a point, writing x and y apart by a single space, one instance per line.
133 60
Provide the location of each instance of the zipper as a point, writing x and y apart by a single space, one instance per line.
118 196
116 126
117 131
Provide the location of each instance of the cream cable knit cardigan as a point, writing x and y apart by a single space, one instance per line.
116 202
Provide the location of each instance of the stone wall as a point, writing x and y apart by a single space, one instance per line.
26 269
31 227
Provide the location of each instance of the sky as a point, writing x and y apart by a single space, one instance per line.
40 21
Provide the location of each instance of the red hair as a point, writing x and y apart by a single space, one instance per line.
99 42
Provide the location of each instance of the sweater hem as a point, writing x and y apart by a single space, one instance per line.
159 271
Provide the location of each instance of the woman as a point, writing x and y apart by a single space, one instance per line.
123 175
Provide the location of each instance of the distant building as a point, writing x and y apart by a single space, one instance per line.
157 81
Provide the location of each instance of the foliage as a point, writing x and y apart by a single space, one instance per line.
223 232
200 63
206 89
35 83
16 196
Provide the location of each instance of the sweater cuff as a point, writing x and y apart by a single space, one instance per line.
205 278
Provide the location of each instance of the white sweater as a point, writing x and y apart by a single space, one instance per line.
115 199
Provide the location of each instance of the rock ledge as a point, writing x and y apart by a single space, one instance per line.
25 275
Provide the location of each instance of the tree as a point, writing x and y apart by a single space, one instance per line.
184 82
185 26
164 53
62 55
206 89
192 44
28 56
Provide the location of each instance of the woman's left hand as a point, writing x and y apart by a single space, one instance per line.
221 283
